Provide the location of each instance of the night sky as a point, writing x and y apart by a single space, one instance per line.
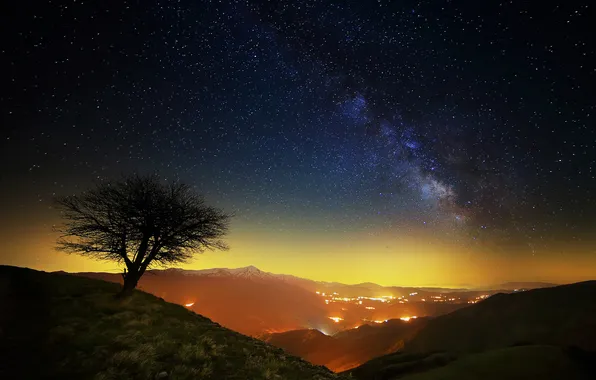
405 142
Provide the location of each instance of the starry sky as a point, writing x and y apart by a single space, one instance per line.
405 142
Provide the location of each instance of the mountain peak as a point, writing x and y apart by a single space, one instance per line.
249 272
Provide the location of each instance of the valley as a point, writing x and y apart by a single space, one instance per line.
336 325
273 303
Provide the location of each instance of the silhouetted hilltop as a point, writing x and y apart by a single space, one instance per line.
512 363
61 326
563 315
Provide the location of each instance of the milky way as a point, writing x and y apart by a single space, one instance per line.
472 120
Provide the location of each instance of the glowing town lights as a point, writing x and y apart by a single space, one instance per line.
336 319
189 304
383 321
407 319
334 297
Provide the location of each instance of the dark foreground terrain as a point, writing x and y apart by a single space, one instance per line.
66 327
58 326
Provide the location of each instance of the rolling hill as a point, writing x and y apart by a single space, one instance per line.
547 333
514 363
520 362
564 315
70 327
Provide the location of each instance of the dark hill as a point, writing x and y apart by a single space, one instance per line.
58 326
545 333
512 363
563 315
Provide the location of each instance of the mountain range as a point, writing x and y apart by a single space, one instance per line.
255 302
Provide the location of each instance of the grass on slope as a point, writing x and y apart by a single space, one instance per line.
514 363
68 327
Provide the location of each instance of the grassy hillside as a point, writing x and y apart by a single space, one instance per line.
563 315
67 327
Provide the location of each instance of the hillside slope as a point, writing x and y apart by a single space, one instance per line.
70 327
545 333
522 362
349 348
514 363
563 315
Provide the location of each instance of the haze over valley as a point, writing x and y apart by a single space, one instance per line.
339 325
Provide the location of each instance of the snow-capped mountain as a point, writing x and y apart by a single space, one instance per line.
249 272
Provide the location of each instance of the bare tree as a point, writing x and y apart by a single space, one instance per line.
140 221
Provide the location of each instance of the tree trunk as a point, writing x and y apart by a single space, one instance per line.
130 283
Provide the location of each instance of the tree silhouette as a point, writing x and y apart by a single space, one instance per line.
140 221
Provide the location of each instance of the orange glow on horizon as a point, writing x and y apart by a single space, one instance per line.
335 256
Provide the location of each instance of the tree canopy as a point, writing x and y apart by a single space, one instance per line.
140 221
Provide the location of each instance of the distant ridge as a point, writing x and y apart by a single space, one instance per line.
521 285
252 272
